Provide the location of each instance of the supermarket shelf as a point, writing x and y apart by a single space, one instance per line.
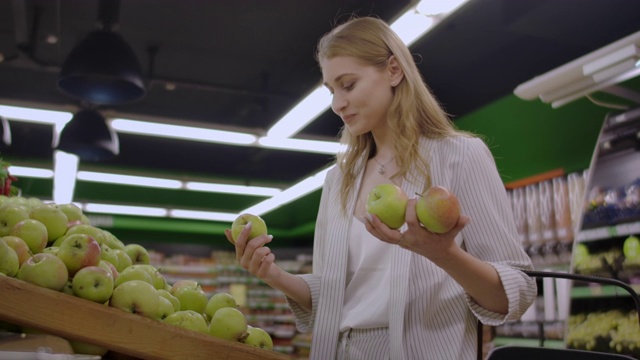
503 341
606 232
63 315
601 291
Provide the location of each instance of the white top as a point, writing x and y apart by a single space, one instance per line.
366 297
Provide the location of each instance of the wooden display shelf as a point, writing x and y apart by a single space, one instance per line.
78 319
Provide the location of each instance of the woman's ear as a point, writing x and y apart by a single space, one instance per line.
395 71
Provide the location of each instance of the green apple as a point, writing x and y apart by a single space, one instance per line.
19 246
73 212
131 273
51 249
137 253
109 267
46 270
33 232
258 226
112 241
389 203
11 215
159 281
218 301
259 338
78 251
438 209
93 283
107 254
9 263
166 308
229 324
52 217
631 247
17 201
172 299
90 230
581 254
190 294
137 297
188 319
33 202
124 261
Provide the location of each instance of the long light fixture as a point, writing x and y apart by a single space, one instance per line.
64 181
595 71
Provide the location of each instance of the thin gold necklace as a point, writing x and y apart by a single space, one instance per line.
381 169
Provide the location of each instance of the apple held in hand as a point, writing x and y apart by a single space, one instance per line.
258 226
137 297
389 203
33 232
93 283
78 251
229 324
258 337
438 210
46 270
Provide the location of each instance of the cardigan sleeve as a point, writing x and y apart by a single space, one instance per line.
492 235
305 318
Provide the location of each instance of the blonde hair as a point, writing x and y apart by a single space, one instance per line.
414 111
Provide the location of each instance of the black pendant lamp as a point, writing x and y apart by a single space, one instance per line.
89 137
103 68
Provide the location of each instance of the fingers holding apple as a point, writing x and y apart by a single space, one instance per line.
388 202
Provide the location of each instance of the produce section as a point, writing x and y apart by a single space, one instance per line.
62 276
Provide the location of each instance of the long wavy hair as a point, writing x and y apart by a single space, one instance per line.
414 111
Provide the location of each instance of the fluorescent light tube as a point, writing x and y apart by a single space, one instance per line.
307 110
296 191
129 180
202 215
599 86
125 210
231 189
182 132
629 51
434 7
313 146
411 26
64 180
614 70
30 172
48 117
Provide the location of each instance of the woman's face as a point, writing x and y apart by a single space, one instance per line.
362 94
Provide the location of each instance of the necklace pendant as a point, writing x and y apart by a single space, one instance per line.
381 170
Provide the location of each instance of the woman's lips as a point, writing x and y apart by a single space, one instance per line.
348 118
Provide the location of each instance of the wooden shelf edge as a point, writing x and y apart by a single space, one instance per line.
60 314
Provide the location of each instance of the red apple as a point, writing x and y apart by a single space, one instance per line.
438 210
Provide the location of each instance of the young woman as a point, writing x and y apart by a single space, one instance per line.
378 293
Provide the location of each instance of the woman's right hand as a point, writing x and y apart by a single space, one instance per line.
253 255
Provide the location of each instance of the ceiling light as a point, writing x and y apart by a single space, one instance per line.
296 191
129 180
5 133
313 146
202 215
64 180
39 116
125 210
231 189
411 26
182 132
303 113
435 7
89 136
602 68
102 69
30 172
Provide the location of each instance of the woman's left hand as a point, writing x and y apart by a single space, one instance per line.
416 237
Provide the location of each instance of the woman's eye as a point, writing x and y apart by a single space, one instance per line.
348 86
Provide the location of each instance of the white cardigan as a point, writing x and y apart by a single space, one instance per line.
431 317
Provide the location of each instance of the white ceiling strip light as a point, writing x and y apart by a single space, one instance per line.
129 180
64 181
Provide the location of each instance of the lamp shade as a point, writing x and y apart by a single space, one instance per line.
89 136
102 69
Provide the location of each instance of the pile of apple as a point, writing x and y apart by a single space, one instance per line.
55 246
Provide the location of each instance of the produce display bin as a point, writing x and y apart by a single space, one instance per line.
128 334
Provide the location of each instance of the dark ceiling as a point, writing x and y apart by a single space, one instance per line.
244 64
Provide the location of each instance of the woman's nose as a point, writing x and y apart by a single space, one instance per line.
338 103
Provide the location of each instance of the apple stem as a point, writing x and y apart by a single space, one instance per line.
417 193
